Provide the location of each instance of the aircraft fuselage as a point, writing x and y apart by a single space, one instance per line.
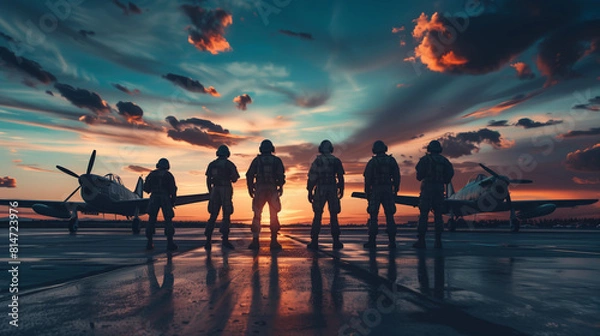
105 194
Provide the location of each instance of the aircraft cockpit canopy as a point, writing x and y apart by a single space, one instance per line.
478 178
113 178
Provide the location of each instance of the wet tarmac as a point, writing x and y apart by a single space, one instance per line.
103 282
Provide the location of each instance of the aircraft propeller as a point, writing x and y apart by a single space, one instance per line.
505 178
75 175
67 171
514 225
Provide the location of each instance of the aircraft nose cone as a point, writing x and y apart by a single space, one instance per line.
87 184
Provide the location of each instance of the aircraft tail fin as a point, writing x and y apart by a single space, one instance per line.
449 190
139 187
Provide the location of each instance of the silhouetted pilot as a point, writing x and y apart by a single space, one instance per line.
382 182
434 171
265 179
160 183
220 174
325 185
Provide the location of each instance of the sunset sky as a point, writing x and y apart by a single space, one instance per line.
514 84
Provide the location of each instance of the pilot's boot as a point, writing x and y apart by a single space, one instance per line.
171 246
208 244
438 240
254 245
314 243
420 244
337 244
371 244
392 243
274 244
226 243
149 244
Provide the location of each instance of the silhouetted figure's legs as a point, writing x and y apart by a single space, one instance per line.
333 202
258 203
153 208
168 214
373 225
438 205
389 207
274 208
317 206
424 207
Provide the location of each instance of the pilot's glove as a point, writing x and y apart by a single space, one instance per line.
251 191
311 196
280 190
173 199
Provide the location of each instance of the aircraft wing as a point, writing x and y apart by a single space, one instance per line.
142 203
528 205
57 209
187 199
400 199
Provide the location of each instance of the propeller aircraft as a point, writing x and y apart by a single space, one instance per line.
101 194
490 194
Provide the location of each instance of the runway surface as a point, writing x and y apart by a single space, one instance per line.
103 282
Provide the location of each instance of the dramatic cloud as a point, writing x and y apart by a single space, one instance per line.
129 8
313 100
573 134
200 132
31 68
242 101
86 33
523 70
503 106
308 100
467 167
592 105
48 92
299 155
584 181
467 143
304 36
528 123
7 37
126 90
130 111
8 182
476 44
208 28
190 84
137 169
584 159
34 168
560 51
498 123
83 98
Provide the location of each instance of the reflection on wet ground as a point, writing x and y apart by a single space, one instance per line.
480 284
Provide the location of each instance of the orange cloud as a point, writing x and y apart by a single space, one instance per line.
208 28
8 182
523 70
505 105
578 180
397 30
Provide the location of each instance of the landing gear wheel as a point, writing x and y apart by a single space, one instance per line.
73 225
451 225
135 226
